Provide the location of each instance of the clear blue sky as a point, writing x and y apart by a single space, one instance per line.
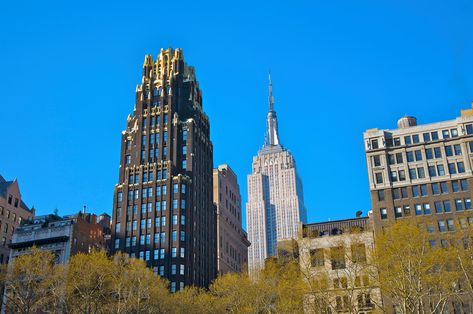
68 73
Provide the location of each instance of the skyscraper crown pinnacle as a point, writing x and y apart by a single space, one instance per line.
272 137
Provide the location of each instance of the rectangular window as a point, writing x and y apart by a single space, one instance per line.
148 238
337 257
421 172
446 206
117 243
429 154
133 241
183 220
461 167
164 188
418 154
454 132
156 240
434 135
440 170
423 190
464 184
426 208
443 187
163 221
397 141
184 150
184 164
467 203
142 240
393 176
438 207
181 271
358 253
384 213
407 210
183 236
426 137
435 189
175 188
174 204
445 134
173 252
457 149
415 191
415 138
450 225
455 186
469 128
163 205
184 135
402 175
183 204
410 156
174 235
379 177
437 152
119 196
418 209
399 158
432 171
148 223
174 219
398 212
407 140
183 188
448 151
442 226
161 254
157 222
396 194
413 173
470 146
452 169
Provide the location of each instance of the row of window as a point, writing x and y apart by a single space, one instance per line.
147 192
422 189
415 138
159 254
146 239
147 223
425 209
338 256
419 172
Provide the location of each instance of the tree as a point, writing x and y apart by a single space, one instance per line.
32 282
418 277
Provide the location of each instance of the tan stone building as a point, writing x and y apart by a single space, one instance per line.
232 240
12 212
334 257
422 171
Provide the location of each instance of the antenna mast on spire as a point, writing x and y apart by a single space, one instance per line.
271 98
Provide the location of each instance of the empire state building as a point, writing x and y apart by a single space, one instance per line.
275 204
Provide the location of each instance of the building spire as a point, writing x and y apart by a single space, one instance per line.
272 137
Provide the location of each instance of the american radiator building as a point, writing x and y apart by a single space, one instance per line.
163 210
275 205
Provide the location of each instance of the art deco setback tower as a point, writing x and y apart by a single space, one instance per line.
163 209
275 205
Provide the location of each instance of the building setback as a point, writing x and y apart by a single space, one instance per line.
275 204
424 172
163 208
232 240
12 212
64 236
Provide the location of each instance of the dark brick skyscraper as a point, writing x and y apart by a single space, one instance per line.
163 209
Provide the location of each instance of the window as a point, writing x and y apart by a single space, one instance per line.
438 207
412 173
457 149
163 205
158 206
135 224
418 209
415 138
407 210
446 206
173 286
183 220
119 196
173 269
440 170
407 140
398 212
467 203
117 243
415 191
173 252
384 213
432 171
145 176
165 118
418 154
183 236
165 152
184 135
470 145
442 226
464 184
161 254
393 176
183 188
451 168
127 242
174 204
437 152
175 188
317 258
184 164
448 151
165 175
443 187
174 219
402 175
148 223
337 257
461 167
469 128
163 221
396 194
426 137
445 134
410 156
429 153
162 237
380 195
183 251
128 159
164 189
174 235
435 189
379 177
117 227
454 132
426 208
399 158
404 192
358 253
150 207
142 240
181 271
148 238
397 141
156 240
434 135
450 225
184 150
455 186
421 172
183 204
133 241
